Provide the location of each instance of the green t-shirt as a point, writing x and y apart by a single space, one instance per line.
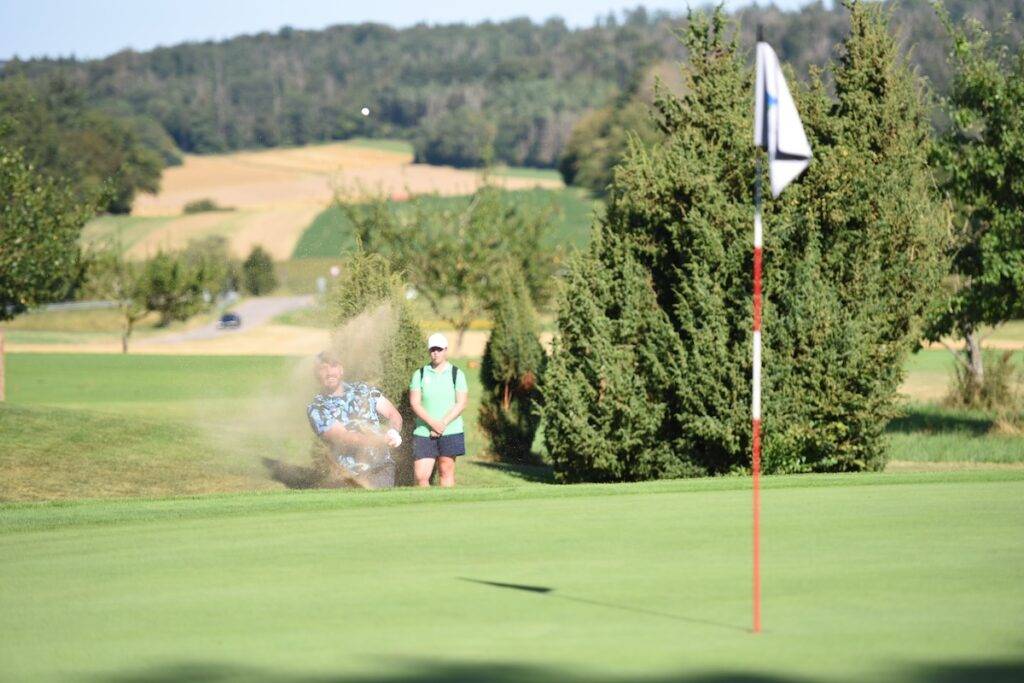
437 396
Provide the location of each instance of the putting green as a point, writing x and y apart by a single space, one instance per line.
880 577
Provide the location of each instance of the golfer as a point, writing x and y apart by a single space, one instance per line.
438 394
347 416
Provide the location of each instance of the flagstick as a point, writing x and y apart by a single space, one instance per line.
755 408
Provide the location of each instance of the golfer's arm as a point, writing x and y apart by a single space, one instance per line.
389 412
340 436
461 397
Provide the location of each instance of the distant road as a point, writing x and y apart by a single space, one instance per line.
254 313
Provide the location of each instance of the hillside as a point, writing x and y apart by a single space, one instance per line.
516 86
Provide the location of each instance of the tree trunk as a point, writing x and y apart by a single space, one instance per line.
3 391
975 364
126 331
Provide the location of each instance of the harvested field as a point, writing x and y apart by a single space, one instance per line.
275 194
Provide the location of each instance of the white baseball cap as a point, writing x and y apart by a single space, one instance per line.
437 339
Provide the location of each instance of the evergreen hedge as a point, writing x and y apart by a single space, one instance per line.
653 367
511 371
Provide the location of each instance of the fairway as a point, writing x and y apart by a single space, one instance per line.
881 577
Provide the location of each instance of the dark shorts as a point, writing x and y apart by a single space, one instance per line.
451 446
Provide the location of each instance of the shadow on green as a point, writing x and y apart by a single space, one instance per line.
935 420
503 672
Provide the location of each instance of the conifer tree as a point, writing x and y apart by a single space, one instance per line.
853 259
512 370
608 390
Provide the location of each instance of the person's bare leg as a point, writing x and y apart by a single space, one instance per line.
446 470
423 468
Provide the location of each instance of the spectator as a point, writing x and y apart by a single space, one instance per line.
438 393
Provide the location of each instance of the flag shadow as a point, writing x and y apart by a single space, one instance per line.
551 592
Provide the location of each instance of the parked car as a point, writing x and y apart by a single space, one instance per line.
229 321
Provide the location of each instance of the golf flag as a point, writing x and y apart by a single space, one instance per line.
777 126
777 129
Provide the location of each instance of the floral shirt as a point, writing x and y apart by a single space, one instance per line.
355 409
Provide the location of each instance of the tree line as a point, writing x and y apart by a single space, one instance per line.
508 92
805 41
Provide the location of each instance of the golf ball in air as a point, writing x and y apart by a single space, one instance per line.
365 111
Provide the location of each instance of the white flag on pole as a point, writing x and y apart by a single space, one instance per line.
777 126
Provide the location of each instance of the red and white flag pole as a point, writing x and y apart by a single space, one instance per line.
777 130
755 399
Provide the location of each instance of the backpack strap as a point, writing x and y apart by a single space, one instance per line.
455 375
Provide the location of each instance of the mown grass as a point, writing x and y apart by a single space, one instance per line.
866 577
330 234
929 433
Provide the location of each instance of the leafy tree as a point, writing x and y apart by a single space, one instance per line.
111 276
258 276
178 287
981 161
63 137
40 223
460 138
853 257
451 255
212 257
601 138
511 371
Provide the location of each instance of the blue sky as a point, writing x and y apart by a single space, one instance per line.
94 28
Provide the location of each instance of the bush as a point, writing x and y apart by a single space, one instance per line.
258 276
203 205
511 372
998 390
853 259
212 256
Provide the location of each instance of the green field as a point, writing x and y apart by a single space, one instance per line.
123 230
330 234
866 577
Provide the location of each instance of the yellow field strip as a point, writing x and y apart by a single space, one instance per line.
275 194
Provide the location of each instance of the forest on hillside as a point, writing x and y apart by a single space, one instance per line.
507 92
